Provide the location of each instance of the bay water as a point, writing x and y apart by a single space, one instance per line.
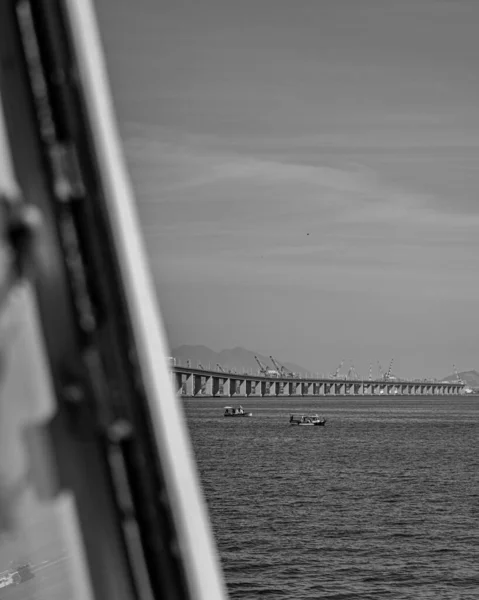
382 502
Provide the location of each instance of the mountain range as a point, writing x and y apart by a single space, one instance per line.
470 377
235 358
242 359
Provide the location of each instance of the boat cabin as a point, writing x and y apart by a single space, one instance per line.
231 410
306 420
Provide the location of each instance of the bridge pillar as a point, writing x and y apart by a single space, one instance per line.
274 388
234 387
196 384
208 386
226 387
177 382
215 386
190 385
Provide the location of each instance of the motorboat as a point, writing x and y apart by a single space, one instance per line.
307 420
231 411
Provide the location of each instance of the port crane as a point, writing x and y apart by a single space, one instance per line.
458 379
388 376
352 374
336 373
282 370
220 368
264 370
370 371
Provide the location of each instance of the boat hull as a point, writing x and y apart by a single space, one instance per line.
319 424
240 415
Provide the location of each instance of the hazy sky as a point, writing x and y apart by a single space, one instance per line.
307 173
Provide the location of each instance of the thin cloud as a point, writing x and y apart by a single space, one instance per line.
195 174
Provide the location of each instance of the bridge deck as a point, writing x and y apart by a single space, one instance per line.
191 381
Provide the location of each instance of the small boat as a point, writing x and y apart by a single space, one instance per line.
231 411
307 420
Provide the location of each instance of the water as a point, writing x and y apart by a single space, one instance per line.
383 502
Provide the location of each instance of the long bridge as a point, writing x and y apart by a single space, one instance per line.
197 382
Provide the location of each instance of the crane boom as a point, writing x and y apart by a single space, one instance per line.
263 368
336 373
278 367
458 379
266 371
388 374
352 372
282 370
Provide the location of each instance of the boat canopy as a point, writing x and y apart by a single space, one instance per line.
302 415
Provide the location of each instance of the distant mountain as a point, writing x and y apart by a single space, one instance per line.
470 377
236 358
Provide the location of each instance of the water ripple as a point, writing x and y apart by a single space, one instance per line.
381 503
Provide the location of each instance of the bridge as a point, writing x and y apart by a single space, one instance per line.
196 382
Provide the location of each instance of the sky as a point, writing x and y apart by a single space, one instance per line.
306 174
